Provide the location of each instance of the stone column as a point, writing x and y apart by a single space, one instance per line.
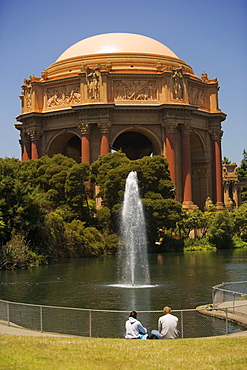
26 146
186 165
170 148
85 141
216 134
104 128
35 136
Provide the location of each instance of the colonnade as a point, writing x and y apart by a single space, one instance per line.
31 143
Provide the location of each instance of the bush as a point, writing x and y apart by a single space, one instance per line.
111 242
17 255
198 244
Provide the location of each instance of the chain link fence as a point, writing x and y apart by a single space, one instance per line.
105 323
231 295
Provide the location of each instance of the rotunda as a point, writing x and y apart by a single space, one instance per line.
130 92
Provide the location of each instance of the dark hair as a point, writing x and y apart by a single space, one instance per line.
133 314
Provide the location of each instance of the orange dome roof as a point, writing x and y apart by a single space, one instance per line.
110 43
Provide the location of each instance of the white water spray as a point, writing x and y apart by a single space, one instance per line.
133 260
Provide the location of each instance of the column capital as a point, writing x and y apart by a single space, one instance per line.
84 128
104 127
35 134
170 127
216 133
186 128
25 138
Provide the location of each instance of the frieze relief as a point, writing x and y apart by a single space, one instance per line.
196 96
63 95
134 90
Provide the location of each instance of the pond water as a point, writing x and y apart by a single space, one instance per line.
182 280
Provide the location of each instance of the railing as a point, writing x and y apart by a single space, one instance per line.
235 301
102 323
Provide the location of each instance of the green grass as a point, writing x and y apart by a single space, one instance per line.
94 353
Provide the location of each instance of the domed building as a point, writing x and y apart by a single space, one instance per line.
130 92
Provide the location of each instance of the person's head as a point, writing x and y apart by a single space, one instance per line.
167 310
133 314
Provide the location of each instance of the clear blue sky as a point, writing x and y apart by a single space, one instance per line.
209 35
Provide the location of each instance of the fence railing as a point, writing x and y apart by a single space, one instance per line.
225 295
105 323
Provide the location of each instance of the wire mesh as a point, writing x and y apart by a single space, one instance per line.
103 323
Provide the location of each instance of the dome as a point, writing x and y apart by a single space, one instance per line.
111 43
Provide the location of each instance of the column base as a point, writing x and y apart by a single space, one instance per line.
189 206
220 206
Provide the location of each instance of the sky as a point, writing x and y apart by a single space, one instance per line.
210 36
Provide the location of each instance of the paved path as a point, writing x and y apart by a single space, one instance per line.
13 329
236 312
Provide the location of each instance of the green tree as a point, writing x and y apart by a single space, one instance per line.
240 221
76 192
242 173
83 241
222 230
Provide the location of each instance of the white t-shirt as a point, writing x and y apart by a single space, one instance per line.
167 326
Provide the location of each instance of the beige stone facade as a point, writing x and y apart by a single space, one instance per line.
102 95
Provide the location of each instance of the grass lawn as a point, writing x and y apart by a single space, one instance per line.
96 353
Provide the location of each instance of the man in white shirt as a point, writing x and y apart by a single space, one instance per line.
167 324
134 329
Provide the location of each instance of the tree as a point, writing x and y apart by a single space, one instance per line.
240 221
222 230
242 173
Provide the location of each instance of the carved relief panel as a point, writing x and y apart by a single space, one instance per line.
134 90
196 96
63 95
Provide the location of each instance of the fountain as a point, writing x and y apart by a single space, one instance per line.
132 258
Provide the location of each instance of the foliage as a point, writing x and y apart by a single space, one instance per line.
16 254
198 244
240 221
111 243
83 241
242 173
221 230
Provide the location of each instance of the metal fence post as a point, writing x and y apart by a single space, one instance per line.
233 303
90 323
8 313
41 319
226 321
182 325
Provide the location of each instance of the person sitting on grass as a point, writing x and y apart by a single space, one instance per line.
167 324
134 329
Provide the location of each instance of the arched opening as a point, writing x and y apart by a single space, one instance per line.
67 144
134 144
